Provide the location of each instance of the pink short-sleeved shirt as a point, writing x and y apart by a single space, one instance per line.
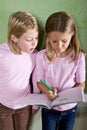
15 71
60 74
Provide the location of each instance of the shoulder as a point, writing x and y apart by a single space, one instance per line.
33 55
81 55
4 48
41 53
3 45
81 59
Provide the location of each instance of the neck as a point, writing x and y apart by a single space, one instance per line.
64 54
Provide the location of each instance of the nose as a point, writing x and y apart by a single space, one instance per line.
59 44
34 42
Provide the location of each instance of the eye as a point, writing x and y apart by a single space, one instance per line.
55 41
64 41
29 39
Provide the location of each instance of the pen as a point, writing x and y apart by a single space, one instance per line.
46 85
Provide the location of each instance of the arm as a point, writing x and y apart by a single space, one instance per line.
50 94
39 73
34 83
80 85
81 72
42 88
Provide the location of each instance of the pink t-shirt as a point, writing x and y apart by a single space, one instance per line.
15 71
60 74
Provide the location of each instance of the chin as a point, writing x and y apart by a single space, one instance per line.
31 51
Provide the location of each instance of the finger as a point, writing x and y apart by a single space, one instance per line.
51 92
55 91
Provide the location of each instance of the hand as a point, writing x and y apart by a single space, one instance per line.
52 94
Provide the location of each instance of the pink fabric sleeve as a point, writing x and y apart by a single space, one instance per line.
38 74
81 70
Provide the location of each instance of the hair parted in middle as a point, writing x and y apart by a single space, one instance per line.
64 23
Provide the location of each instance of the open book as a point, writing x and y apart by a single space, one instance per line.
72 95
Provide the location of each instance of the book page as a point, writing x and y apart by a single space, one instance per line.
71 95
34 99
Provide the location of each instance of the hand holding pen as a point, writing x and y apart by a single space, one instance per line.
52 93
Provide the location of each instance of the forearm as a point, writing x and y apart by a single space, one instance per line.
42 88
50 94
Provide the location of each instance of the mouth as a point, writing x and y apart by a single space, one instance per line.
58 49
32 49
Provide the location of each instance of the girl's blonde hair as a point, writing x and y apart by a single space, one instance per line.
19 23
61 22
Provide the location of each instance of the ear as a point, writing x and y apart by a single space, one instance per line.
14 38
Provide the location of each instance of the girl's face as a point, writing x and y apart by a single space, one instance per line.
60 41
28 41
